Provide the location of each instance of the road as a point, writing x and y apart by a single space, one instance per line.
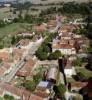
32 47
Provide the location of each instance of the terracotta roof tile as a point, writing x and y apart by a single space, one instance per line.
26 69
24 42
35 97
4 56
63 46
14 90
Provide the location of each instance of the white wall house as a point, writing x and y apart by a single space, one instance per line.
69 72
64 48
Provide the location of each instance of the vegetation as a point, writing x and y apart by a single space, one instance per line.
31 84
44 52
78 62
60 90
54 55
84 73
8 97
1 98
68 8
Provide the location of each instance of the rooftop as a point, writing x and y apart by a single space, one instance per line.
35 97
26 69
14 90
63 46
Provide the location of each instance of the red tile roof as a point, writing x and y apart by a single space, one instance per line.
35 97
79 84
63 46
4 56
14 90
39 28
2 71
24 42
26 69
17 53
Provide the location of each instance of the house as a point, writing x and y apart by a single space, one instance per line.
67 28
52 74
69 70
26 70
4 56
17 53
44 89
78 85
66 35
17 93
24 42
6 67
65 49
35 97
26 34
51 23
39 28
7 5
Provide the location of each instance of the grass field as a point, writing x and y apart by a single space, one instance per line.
12 29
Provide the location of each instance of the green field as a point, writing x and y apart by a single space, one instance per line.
13 29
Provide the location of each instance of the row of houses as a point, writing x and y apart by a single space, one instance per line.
67 42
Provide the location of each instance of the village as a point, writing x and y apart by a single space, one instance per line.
45 50
24 76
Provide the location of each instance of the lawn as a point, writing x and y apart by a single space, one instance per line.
13 28
85 72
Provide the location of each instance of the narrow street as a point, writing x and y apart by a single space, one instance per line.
32 47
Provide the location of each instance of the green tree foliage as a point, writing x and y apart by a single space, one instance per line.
78 62
30 85
41 54
55 55
38 77
28 18
44 50
60 90
2 23
13 40
68 8
27 6
8 97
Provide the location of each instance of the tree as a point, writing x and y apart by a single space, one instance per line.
38 77
59 90
1 45
78 62
2 23
13 40
55 55
43 56
27 6
29 85
8 97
